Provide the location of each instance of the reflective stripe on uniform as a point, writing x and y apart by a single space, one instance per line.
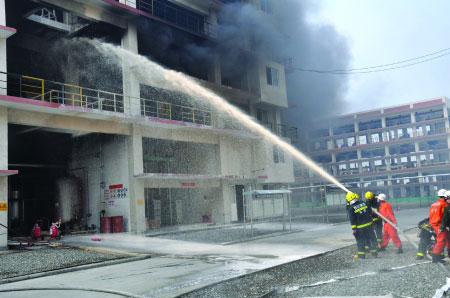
353 226
361 253
373 250
420 254
360 209
364 225
376 218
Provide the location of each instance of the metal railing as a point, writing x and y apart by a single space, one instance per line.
74 95
282 130
69 94
175 15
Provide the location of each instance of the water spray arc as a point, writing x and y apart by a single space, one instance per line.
151 73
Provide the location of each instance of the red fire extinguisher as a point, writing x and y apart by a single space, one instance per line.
53 231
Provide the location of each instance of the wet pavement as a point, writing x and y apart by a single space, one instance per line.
180 266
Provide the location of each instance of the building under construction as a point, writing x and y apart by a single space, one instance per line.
81 139
402 151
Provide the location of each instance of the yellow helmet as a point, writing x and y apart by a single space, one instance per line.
350 196
356 196
369 195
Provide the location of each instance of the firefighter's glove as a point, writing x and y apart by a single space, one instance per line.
354 232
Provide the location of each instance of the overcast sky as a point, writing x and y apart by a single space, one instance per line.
387 31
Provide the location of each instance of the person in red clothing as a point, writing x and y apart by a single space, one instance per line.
390 232
436 213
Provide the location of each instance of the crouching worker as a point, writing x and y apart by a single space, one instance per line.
425 234
361 220
390 232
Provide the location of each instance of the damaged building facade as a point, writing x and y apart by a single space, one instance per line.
402 151
80 140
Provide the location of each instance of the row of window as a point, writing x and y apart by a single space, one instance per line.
377 137
435 113
392 150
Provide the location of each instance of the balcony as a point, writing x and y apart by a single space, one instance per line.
282 130
77 99
169 13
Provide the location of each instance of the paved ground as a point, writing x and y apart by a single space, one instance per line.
182 266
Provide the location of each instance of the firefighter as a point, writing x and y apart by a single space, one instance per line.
36 232
389 231
436 214
372 201
425 234
445 223
361 221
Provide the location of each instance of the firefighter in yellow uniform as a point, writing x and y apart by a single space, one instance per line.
361 221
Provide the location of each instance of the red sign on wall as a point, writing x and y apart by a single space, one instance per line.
114 186
187 183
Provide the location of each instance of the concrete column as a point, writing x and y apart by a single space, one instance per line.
421 187
387 159
3 180
214 72
390 188
356 126
383 122
131 88
403 191
413 117
136 191
2 50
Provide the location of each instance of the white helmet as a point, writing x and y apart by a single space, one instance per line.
382 197
441 193
447 194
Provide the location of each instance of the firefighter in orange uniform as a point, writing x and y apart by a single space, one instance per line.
436 213
390 232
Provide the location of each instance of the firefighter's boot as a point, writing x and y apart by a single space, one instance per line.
419 257
360 256
382 248
375 254
400 250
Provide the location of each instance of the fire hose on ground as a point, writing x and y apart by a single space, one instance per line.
445 288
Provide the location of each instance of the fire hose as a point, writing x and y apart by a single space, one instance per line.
408 239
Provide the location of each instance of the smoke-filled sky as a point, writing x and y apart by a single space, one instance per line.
383 32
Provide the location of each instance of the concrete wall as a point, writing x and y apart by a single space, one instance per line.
3 136
2 49
235 156
281 172
116 172
275 95
3 180
103 159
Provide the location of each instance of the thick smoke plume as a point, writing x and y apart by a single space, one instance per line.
243 33
287 34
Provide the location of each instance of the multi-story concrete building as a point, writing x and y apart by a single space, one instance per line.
74 146
401 150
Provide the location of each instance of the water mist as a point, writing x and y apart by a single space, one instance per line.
153 74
